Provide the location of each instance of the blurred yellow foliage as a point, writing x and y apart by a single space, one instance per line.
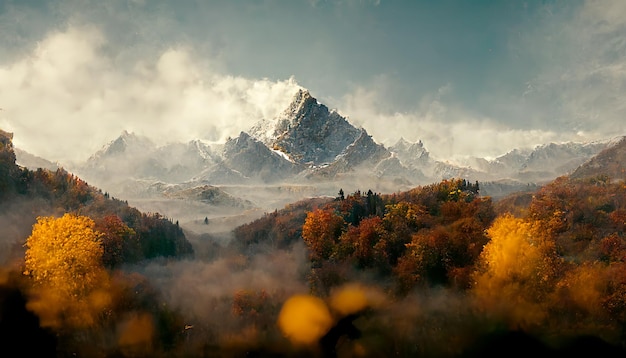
349 299
304 319
135 337
517 271
64 259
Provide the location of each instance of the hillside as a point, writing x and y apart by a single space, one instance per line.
26 195
445 236
611 163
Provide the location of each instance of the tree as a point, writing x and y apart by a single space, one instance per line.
119 242
321 231
517 271
64 261
362 242
401 220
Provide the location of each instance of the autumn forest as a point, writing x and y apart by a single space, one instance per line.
436 271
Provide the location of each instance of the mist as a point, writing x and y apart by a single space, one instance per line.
171 97
16 221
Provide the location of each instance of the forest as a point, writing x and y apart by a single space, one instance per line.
436 271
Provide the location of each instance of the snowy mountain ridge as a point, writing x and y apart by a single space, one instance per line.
308 144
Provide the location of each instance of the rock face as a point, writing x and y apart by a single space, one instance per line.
307 131
412 155
363 154
256 161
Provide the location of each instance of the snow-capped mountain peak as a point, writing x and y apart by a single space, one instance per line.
410 154
300 101
126 143
307 131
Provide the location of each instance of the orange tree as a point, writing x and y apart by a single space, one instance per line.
119 242
321 231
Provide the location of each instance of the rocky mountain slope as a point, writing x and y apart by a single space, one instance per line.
307 132
610 163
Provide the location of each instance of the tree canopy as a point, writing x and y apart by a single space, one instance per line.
64 259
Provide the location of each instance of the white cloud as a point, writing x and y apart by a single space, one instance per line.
71 95
79 87
447 132
582 80
577 91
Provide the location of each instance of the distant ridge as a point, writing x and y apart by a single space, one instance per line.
33 162
610 162
308 144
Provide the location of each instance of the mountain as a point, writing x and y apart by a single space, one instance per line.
412 155
304 144
256 161
610 162
307 131
361 156
538 165
126 143
125 156
26 195
307 144
33 162
135 156
548 161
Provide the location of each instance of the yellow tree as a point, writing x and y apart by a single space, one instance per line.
401 221
517 271
64 260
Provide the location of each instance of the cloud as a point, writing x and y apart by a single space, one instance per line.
72 94
581 83
448 131
573 89
99 69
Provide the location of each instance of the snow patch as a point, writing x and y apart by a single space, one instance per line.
282 154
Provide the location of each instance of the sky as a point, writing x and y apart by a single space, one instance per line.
468 78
